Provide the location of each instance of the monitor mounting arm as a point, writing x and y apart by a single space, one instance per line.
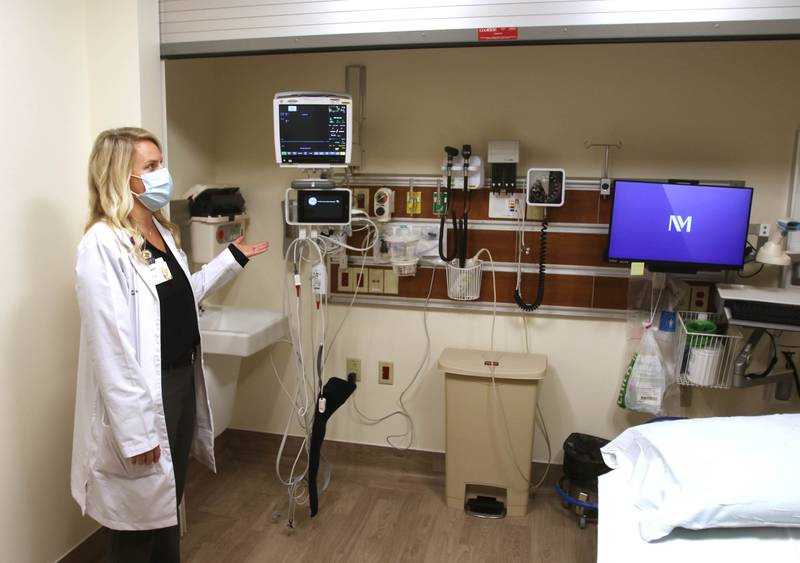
783 378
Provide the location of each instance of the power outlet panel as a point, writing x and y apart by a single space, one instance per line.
345 280
386 373
391 282
358 279
361 199
699 298
353 365
375 280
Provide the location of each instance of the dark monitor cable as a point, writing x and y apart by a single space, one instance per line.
773 360
789 356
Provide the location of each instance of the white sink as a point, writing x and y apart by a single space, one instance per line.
230 334
237 331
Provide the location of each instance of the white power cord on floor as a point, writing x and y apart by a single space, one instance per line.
403 412
499 399
539 418
360 276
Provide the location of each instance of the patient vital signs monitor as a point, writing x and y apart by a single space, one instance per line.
313 129
676 225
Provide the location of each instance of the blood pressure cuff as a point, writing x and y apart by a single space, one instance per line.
335 392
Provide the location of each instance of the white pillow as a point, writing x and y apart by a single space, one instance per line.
731 472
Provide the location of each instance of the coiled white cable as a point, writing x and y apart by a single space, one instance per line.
304 397
403 412
309 377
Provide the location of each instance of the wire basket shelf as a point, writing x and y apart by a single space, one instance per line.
464 284
704 358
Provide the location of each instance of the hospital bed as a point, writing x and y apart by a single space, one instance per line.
620 537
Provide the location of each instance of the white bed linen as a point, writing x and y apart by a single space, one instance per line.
618 538
695 473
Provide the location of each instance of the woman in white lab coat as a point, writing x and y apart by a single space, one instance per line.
141 402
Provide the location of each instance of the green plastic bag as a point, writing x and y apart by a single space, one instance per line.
645 379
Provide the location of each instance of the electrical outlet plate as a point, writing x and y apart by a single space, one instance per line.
361 199
375 280
699 296
763 230
391 282
345 280
359 279
353 365
386 373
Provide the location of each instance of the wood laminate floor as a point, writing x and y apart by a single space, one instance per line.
381 506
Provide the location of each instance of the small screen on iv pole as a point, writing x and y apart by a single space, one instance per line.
323 207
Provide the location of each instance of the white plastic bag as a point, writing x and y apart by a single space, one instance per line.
645 380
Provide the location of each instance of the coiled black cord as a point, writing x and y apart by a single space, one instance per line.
542 273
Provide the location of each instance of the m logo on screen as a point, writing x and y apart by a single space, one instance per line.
680 224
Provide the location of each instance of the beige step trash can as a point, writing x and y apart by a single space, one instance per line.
478 455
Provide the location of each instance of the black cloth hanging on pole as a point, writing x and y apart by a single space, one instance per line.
335 393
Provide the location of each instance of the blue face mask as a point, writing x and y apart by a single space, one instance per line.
158 189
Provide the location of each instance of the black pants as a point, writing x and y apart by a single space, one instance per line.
163 545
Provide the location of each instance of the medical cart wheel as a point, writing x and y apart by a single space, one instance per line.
578 499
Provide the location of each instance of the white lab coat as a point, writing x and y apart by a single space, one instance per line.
118 407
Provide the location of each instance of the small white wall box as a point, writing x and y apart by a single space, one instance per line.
503 157
217 218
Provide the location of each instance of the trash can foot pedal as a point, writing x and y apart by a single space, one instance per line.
485 507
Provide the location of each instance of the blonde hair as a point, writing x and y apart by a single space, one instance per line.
110 197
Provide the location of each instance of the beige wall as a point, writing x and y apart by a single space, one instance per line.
70 69
46 124
724 110
192 143
125 70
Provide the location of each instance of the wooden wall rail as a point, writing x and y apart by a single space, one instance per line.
593 292
581 206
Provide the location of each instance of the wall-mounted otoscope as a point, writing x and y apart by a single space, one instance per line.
460 232
451 153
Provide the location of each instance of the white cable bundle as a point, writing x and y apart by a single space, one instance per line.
309 368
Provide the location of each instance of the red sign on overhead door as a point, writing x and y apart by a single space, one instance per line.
498 33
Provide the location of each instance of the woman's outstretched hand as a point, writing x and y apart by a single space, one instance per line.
251 250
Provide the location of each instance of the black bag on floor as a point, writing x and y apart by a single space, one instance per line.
582 460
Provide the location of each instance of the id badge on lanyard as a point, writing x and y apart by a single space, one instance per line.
159 270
